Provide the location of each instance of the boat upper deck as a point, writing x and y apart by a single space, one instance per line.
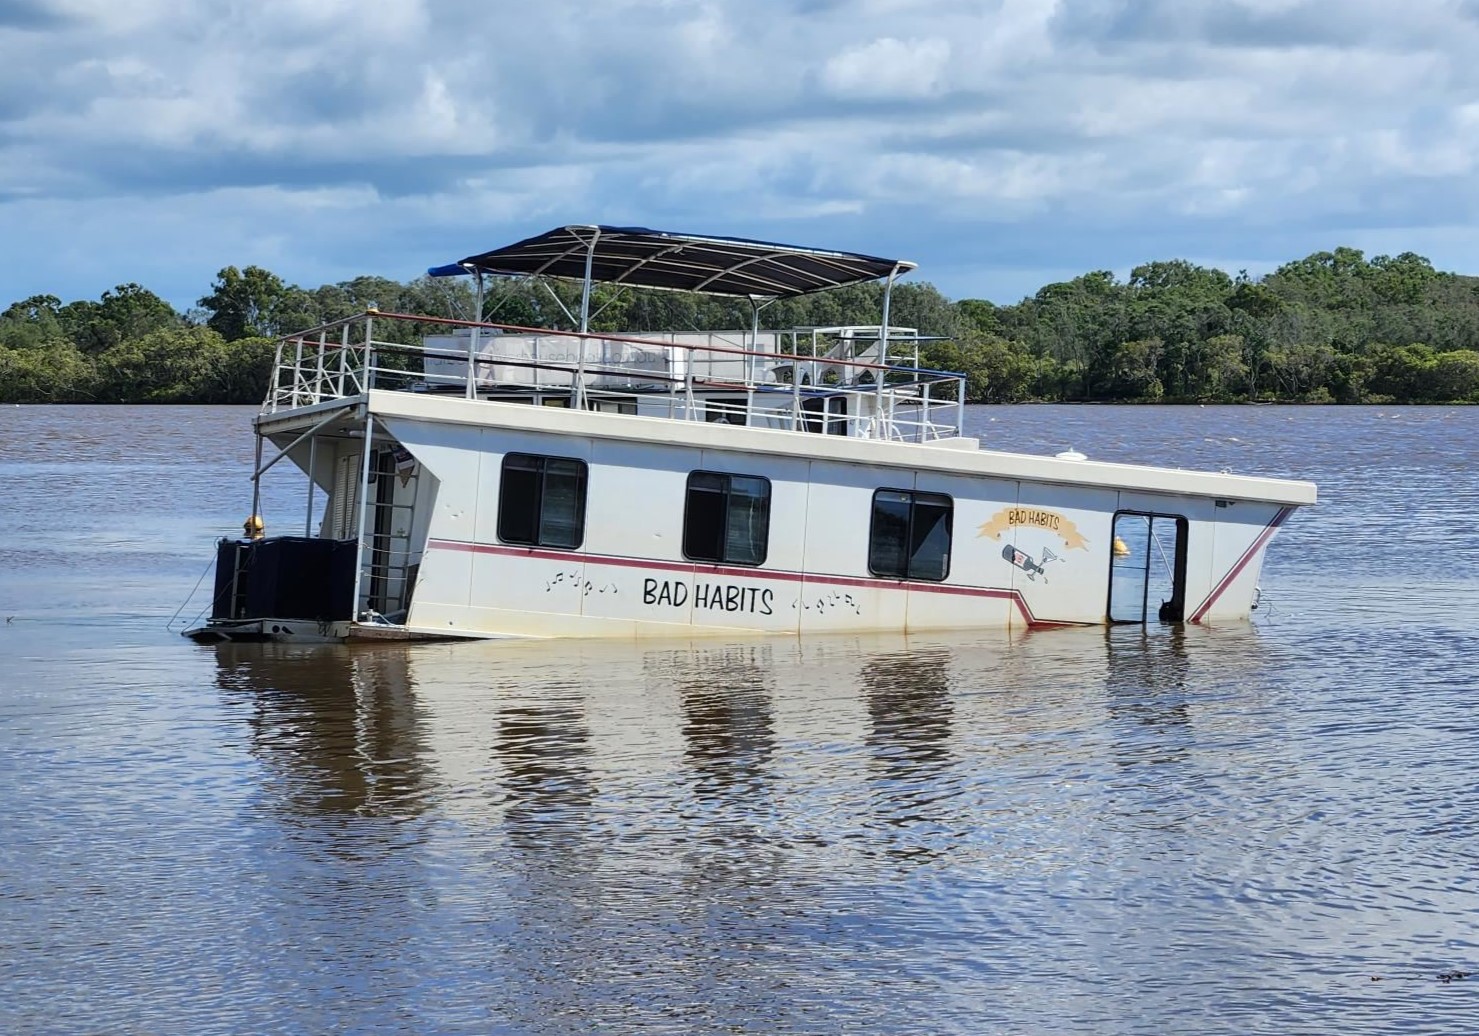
835 380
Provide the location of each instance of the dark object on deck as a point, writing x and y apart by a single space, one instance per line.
286 577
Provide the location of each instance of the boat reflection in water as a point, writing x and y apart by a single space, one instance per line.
548 738
336 729
688 827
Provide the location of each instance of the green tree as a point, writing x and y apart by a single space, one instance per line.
1455 376
126 312
32 323
1403 373
57 373
245 303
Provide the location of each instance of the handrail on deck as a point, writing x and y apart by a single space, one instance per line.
895 401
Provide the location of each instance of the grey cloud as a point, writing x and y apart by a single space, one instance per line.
1225 23
30 15
1113 133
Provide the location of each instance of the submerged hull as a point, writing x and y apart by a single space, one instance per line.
1013 541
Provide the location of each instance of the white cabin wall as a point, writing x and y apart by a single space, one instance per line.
450 454
622 475
1073 585
624 579
839 517
1236 530
528 588
427 486
975 563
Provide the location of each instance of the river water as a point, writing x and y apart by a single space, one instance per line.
1267 827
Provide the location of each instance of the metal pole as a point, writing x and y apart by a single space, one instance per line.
472 344
330 419
585 318
888 291
364 503
318 381
343 357
369 352
796 395
585 291
688 389
270 403
257 479
312 464
300 388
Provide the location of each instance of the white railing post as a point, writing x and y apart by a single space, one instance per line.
275 389
796 393
318 376
473 344
364 502
368 375
300 383
312 465
688 384
577 395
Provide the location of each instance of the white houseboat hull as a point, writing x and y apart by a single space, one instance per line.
1032 538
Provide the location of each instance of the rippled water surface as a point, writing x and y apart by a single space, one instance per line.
1257 828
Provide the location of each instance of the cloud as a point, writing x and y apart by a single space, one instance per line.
991 141
889 68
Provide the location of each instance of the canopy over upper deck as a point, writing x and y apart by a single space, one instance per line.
646 258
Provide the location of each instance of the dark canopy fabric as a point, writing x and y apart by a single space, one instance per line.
682 262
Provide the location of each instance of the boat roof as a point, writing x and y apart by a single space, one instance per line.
678 262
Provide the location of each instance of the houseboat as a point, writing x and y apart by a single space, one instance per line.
489 480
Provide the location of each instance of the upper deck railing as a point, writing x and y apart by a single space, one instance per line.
735 377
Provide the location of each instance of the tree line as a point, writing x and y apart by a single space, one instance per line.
1332 327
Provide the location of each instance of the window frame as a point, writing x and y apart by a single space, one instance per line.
913 495
728 477
582 500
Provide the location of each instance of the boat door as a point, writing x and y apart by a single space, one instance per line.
1147 567
393 484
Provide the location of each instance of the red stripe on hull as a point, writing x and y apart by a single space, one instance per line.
692 568
1237 569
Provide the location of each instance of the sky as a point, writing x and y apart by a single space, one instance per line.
1000 144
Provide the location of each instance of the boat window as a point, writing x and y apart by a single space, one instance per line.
910 538
726 518
825 414
725 411
541 501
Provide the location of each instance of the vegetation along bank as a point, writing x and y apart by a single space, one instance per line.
1332 327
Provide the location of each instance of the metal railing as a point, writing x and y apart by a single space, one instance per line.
682 377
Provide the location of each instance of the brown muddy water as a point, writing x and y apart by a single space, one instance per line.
1268 827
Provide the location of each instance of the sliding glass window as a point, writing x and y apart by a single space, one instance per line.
726 519
541 501
910 536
